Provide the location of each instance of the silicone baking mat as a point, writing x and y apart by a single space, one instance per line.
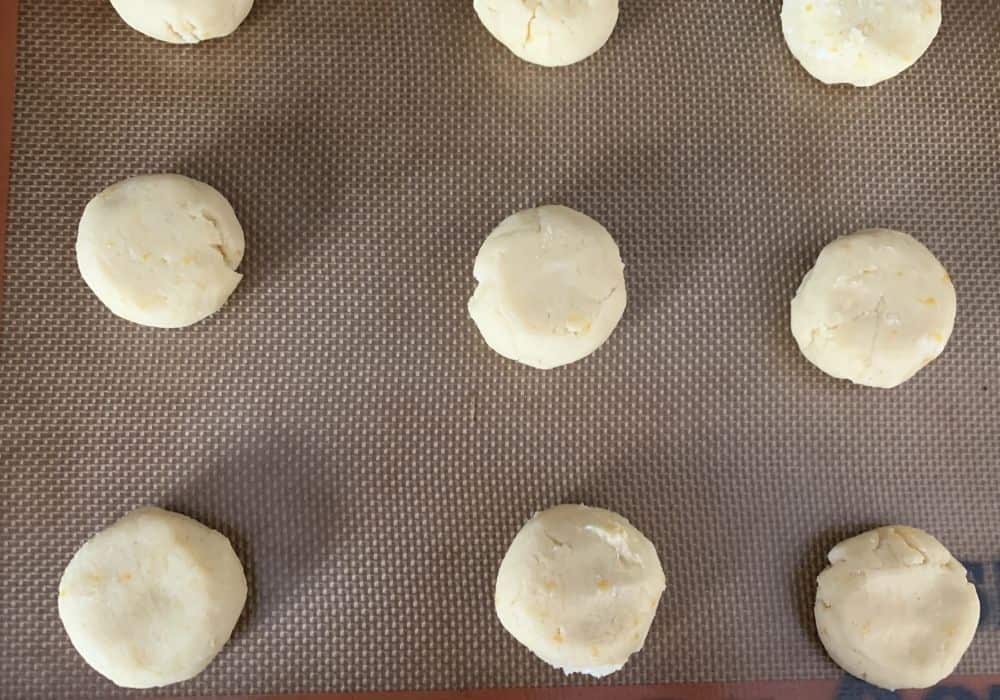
343 423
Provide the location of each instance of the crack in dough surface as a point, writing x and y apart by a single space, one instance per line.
551 287
160 250
579 587
859 42
876 308
550 32
895 608
184 21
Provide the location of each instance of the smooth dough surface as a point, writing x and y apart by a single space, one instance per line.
876 308
861 42
551 287
895 608
152 599
184 21
579 587
160 250
550 32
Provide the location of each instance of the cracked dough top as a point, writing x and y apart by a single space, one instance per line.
160 250
184 21
861 42
550 32
579 587
875 309
895 608
551 287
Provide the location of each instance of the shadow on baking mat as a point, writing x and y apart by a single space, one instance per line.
286 531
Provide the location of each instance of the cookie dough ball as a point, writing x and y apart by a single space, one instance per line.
579 587
183 21
875 309
152 599
895 608
551 287
160 250
550 32
860 42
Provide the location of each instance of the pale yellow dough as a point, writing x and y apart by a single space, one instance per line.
160 250
551 287
152 599
579 587
875 309
183 21
895 608
550 32
860 42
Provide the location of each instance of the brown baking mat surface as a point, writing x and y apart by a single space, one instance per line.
341 420
977 688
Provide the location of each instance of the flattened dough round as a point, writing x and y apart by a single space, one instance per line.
184 21
152 599
550 32
876 308
551 287
579 588
160 250
861 42
895 608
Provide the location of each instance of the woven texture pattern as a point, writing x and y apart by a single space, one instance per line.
341 420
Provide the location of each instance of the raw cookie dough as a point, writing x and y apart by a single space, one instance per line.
184 21
551 287
152 599
875 309
895 609
160 250
579 587
861 42
550 32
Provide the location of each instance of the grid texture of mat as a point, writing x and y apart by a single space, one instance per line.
342 421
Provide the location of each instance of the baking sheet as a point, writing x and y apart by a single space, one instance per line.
342 422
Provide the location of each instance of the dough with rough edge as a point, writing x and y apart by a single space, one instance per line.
184 21
875 309
861 42
160 250
579 587
550 32
152 599
895 608
551 287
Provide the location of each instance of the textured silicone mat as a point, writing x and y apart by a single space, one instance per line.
344 424
848 688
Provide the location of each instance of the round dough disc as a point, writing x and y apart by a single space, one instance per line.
550 32
579 588
160 250
183 21
876 308
551 287
859 41
895 608
152 599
